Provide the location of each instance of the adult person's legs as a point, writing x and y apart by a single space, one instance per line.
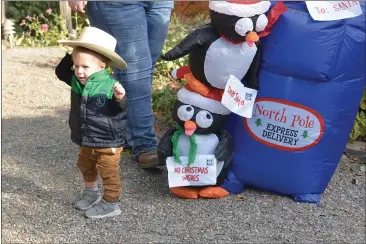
140 29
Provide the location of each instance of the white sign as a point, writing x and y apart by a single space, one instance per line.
333 10
285 125
203 171
238 98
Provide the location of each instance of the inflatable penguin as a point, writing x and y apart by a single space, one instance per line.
229 45
200 122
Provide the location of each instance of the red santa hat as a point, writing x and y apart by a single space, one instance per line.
192 98
240 8
197 94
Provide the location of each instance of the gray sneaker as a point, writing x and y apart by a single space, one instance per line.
88 199
102 210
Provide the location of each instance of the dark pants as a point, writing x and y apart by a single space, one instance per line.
140 29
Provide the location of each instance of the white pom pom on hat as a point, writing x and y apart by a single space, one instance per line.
240 8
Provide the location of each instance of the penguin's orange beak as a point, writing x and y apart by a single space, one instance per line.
251 38
189 127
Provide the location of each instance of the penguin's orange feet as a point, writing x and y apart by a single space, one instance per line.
213 192
185 192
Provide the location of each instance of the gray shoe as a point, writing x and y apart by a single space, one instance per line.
102 210
88 199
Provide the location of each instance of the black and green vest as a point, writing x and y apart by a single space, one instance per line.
96 119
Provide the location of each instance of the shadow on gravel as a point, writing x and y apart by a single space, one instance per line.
38 157
22 186
51 65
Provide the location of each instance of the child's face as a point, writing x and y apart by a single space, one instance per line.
85 65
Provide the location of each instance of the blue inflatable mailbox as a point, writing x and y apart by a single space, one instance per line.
311 81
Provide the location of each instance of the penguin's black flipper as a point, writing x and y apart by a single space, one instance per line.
251 78
195 39
225 149
165 147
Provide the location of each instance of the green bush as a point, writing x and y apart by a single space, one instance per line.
18 10
359 127
38 23
79 21
41 30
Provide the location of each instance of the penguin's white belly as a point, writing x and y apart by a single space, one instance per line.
224 58
206 144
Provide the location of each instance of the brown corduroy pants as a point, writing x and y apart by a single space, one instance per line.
106 160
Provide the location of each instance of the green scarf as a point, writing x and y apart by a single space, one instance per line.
192 146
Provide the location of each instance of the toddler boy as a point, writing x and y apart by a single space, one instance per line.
97 117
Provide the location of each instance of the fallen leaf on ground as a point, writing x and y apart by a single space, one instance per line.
239 197
363 168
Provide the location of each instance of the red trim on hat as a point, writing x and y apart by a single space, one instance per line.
197 86
214 93
272 17
183 71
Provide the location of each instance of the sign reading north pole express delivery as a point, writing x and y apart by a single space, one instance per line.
285 125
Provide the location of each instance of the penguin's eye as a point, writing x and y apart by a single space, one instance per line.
204 119
185 112
243 26
261 24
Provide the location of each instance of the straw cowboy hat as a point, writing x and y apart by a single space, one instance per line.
99 41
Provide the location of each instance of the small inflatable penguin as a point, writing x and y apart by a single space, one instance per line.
228 46
200 120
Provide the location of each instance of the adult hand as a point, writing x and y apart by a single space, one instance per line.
78 6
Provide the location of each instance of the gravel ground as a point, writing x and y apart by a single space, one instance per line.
40 182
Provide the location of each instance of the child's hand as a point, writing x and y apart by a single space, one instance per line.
118 91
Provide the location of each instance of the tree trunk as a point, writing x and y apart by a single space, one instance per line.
65 11
2 12
2 18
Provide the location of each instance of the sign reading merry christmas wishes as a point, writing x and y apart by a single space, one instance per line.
203 171
285 125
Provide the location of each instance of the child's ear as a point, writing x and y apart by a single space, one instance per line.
103 65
